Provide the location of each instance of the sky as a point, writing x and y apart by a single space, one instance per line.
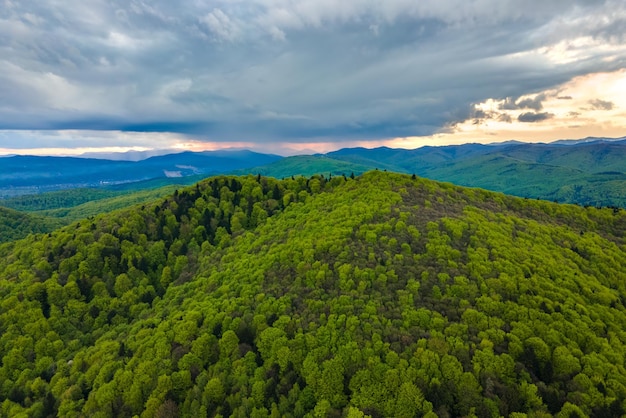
300 76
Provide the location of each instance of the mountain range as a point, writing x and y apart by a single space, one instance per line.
586 172
28 174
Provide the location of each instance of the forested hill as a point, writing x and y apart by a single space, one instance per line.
382 296
16 225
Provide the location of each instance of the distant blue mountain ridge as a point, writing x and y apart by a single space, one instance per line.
30 174
590 171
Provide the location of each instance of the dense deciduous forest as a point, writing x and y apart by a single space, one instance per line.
58 199
46 212
383 295
16 225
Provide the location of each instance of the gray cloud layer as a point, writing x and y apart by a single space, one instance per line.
288 70
532 117
598 104
534 103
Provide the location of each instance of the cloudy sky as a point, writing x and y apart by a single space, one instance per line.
290 76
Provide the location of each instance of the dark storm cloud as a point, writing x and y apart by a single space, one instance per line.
532 117
534 103
265 70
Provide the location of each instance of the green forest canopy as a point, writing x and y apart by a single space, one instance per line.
16 225
384 295
46 212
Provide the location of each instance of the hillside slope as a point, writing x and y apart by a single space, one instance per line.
589 157
380 296
46 212
583 173
16 225
307 165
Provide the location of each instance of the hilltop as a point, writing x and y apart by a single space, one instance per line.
383 295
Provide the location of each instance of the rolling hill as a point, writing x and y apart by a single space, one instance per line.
384 296
588 172
45 212
15 225
307 165
585 173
